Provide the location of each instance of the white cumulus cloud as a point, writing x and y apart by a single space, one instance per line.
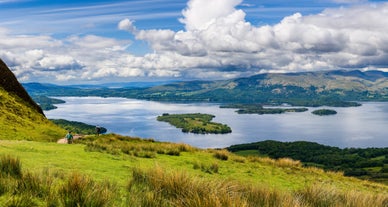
126 25
217 42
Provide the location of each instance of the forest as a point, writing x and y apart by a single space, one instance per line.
364 163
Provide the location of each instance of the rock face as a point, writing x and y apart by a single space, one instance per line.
9 83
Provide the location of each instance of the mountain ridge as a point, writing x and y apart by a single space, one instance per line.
332 88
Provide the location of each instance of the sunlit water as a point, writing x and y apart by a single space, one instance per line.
365 126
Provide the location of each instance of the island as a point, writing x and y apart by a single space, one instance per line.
195 123
259 109
324 112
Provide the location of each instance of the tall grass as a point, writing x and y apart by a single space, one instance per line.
35 185
19 188
221 154
145 148
282 162
80 190
10 166
158 187
179 189
204 167
321 196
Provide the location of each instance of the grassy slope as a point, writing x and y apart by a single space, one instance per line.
18 121
285 175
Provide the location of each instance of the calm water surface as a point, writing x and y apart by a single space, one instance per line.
365 126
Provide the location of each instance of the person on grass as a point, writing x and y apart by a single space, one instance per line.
69 138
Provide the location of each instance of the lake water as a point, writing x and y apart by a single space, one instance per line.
365 126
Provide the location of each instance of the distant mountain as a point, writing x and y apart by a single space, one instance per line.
21 118
306 88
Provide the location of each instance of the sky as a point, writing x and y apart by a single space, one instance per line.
100 41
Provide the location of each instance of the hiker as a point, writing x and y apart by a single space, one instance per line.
69 138
98 130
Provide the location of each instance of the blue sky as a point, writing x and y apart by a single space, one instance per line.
84 41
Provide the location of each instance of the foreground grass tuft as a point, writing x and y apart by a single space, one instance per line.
10 166
80 190
45 189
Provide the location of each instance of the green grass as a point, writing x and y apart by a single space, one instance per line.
70 175
247 153
20 122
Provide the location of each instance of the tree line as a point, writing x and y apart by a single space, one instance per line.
366 163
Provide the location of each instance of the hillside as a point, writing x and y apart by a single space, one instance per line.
332 88
21 118
115 170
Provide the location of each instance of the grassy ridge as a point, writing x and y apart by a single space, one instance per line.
20 121
193 176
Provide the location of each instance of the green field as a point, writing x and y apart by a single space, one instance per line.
112 163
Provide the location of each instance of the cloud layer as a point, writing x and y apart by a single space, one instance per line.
218 42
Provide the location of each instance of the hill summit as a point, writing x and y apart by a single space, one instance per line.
20 117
